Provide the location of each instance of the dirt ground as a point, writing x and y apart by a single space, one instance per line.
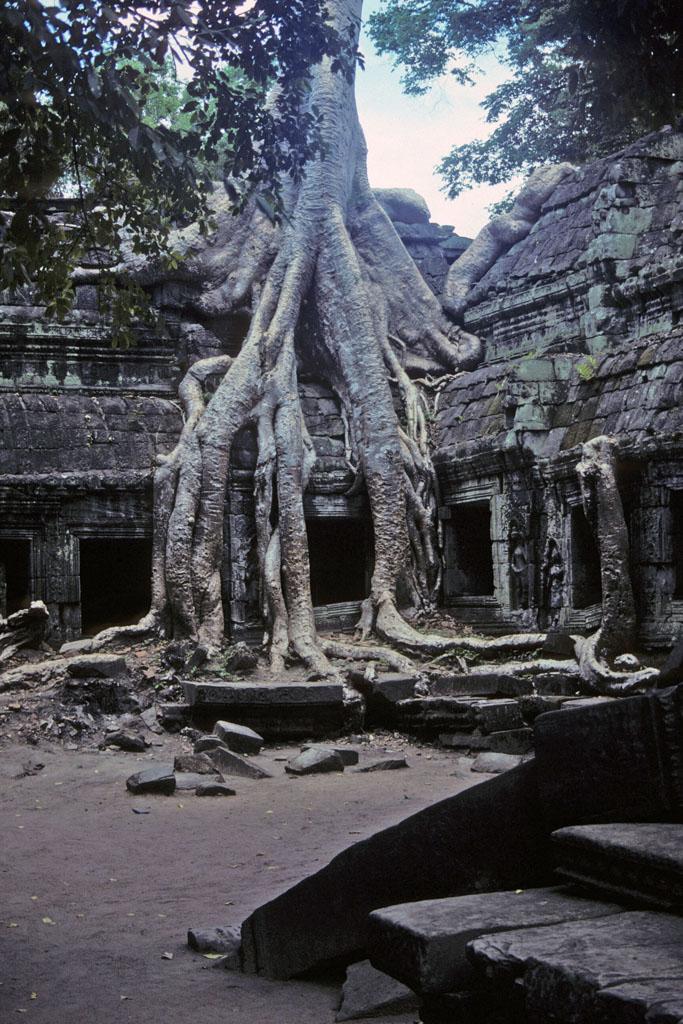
93 894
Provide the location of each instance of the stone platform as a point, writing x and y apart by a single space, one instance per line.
274 710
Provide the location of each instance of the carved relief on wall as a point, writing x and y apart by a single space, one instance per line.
553 583
518 547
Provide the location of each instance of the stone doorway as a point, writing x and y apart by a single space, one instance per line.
15 574
340 552
586 585
115 581
469 549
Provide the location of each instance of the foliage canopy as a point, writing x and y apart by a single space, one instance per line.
587 77
88 98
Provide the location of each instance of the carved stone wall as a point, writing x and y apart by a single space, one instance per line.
581 328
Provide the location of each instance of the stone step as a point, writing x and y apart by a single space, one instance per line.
487 837
274 710
636 861
423 944
430 715
622 969
382 695
505 680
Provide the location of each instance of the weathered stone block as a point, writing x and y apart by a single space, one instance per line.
199 763
385 764
423 944
348 755
313 761
512 741
157 779
220 939
239 738
618 760
497 715
232 764
617 969
635 860
97 666
192 780
492 763
210 788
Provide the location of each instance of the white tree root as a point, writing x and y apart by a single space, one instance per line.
617 631
337 257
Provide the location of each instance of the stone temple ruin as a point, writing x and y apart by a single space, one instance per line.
580 322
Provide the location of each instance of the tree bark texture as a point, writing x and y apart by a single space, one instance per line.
335 271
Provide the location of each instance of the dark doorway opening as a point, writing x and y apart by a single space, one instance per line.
15 575
115 582
677 542
471 547
586 585
340 553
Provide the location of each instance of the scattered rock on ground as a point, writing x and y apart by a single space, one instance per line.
368 992
221 939
208 788
493 764
315 760
125 740
233 764
97 666
159 779
149 718
205 744
348 755
192 780
239 738
386 764
199 763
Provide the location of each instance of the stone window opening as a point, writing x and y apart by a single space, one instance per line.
471 549
677 543
585 562
340 553
15 574
115 574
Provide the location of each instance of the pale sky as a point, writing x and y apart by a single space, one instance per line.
408 135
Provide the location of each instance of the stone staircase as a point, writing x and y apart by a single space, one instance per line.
461 901
594 951
491 707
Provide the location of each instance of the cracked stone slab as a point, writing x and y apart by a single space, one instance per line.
623 969
423 944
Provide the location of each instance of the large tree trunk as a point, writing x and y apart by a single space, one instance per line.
336 264
373 313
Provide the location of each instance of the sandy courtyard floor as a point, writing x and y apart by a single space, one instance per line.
93 894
